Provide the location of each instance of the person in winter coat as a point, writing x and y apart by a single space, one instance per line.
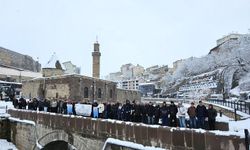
60 106
64 106
95 109
172 111
212 113
136 112
144 113
41 105
192 116
127 111
181 115
107 111
22 103
101 108
35 103
15 103
46 105
114 109
54 106
120 112
150 113
201 114
30 104
157 114
164 114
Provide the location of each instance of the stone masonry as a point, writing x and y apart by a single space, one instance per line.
87 133
14 59
96 61
77 88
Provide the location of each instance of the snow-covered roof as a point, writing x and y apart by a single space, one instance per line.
151 83
18 72
10 82
51 63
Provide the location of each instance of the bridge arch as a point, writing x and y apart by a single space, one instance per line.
56 138
57 145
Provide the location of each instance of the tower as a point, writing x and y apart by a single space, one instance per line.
96 61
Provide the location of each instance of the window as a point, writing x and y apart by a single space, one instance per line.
86 92
111 94
99 93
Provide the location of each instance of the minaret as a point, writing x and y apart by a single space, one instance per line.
96 60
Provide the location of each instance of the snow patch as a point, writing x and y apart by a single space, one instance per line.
22 121
235 91
5 145
129 145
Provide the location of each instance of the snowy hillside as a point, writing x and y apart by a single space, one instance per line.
231 56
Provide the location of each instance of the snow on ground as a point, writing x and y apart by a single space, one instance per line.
235 91
235 127
22 121
8 104
3 106
5 145
129 144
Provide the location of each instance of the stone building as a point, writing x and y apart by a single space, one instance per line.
15 67
77 88
17 60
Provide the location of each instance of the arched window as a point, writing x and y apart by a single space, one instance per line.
111 94
86 92
99 93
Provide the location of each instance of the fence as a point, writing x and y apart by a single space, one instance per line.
240 105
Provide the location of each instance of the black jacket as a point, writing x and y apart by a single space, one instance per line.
201 111
211 113
173 110
164 111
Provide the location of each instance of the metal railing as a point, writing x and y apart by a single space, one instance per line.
238 105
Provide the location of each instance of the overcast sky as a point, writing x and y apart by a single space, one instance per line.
145 32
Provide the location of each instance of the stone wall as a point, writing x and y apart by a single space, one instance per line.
123 95
4 129
32 88
82 128
48 72
23 135
14 59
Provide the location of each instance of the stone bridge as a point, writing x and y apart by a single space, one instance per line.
43 130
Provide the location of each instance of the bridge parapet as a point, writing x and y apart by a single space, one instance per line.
79 129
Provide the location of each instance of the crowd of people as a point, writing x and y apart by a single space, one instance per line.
166 115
